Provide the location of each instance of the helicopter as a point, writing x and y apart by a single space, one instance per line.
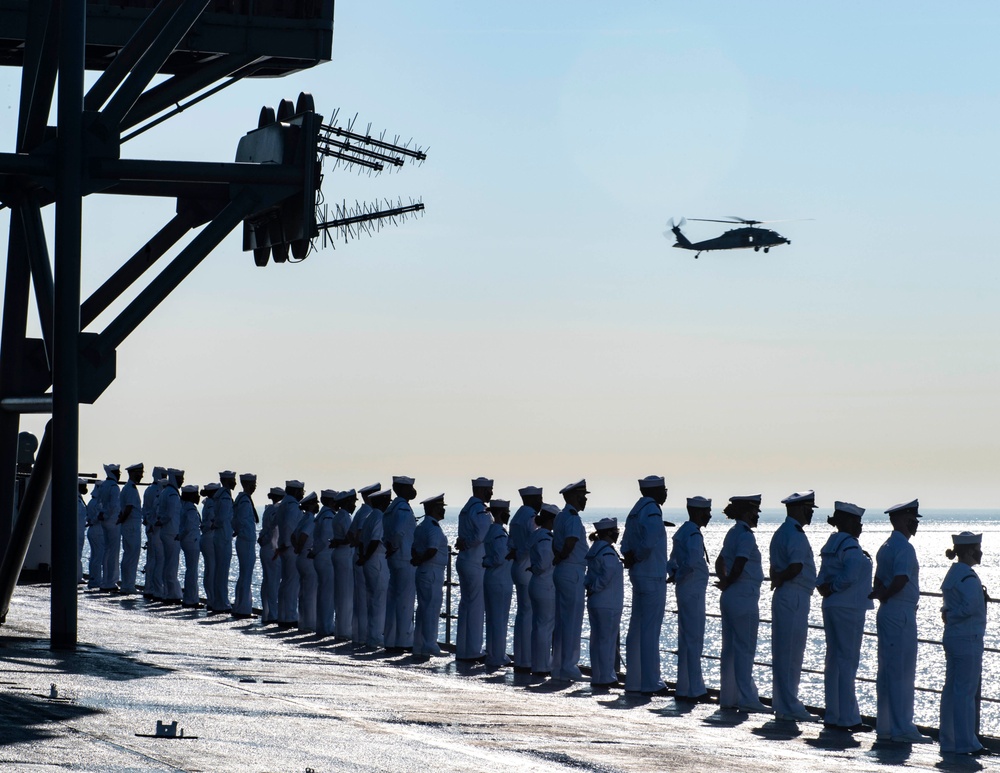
738 238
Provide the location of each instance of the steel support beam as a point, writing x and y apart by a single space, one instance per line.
41 268
38 76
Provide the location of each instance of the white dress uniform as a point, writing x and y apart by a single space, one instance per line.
605 587
288 516
522 526
402 594
245 528
964 628
153 585
81 535
168 518
376 578
790 616
896 623
473 524
343 575
302 538
190 539
270 571
646 538
543 600
208 545
323 565
689 568
109 496
848 571
131 531
222 534
430 585
497 590
359 621
95 536
568 576
740 620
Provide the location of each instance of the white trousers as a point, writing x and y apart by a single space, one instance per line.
81 537
307 592
789 629
288 589
376 584
844 629
642 643
153 583
223 560
171 565
605 627
399 606
429 582
690 637
896 624
497 590
963 673
208 574
192 553
543 621
247 557
359 623
740 621
568 580
343 588
270 580
112 551
471 606
522 618
325 589
131 532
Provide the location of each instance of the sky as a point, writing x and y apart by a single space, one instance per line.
535 325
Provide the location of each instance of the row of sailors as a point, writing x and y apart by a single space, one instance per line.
359 572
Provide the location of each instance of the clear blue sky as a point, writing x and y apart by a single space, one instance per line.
536 326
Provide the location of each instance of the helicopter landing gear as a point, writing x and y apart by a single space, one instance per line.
756 249
697 256
767 249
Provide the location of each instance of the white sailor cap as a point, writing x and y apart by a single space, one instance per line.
606 523
748 499
136 466
482 482
905 508
530 491
386 493
343 496
498 504
848 509
433 499
82 482
110 468
328 493
368 490
404 480
247 477
699 502
294 484
174 474
652 481
159 472
213 487
189 489
310 497
550 509
967 538
227 475
582 483
276 491
800 498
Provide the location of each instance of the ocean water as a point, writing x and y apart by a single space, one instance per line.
930 543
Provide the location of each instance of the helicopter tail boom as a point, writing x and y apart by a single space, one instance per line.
682 241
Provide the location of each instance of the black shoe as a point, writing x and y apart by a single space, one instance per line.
861 727
541 673
522 669
663 691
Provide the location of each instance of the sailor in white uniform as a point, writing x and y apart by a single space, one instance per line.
153 571
288 516
109 495
543 591
398 525
95 537
168 518
345 503
845 576
223 536
498 586
372 558
270 570
740 575
793 578
359 622
208 494
569 546
897 589
323 563
964 614
605 589
688 567
473 523
644 548
190 538
130 524
430 556
245 520
522 525
81 526
302 540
